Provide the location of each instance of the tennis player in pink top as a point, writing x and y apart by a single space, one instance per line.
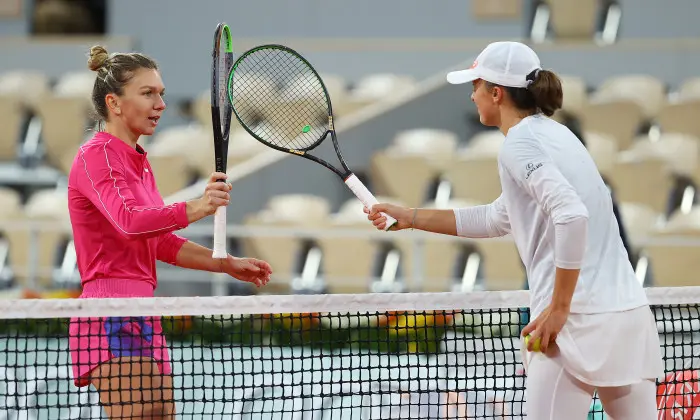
121 227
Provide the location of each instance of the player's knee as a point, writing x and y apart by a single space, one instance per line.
632 402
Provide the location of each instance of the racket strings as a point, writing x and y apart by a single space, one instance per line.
249 106
266 127
290 95
279 97
224 66
289 117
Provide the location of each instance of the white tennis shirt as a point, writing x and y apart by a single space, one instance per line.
559 211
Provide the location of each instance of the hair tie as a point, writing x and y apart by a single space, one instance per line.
530 78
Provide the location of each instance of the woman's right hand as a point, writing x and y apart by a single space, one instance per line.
403 216
215 195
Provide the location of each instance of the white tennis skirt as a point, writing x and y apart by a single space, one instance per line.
608 349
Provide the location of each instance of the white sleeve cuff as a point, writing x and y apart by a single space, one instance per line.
474 222
570 241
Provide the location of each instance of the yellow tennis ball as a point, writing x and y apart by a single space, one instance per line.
536 346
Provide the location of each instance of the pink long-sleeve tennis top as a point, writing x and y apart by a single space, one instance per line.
120 223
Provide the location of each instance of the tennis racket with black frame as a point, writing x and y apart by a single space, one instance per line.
280 99
222 60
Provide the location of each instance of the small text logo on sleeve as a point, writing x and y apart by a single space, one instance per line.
530 168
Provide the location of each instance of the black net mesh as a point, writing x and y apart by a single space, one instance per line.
354 364
278 97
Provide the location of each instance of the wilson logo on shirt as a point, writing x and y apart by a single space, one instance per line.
530 168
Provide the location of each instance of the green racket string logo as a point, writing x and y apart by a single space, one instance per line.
306 129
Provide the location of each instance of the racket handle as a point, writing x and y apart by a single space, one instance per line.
220 233
366 197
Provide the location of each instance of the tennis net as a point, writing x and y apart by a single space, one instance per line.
369 356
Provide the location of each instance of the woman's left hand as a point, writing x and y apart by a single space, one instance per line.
546 327
250 270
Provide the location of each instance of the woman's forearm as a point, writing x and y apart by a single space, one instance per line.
437 221
197 257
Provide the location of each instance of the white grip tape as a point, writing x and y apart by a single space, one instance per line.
220 233
366 197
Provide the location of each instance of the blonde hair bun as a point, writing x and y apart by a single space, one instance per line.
98 57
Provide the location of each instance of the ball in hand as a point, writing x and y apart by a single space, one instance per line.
535 345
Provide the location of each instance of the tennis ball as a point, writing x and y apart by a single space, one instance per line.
306 129
536 346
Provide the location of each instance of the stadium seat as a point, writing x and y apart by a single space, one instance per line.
440 257
672 260
300 103
348 262
298 207
75 84
10 202
474 177
253 91
64 161
201 109
621 106
679 115
621 119
10 208
49 205
27 85
189 149
680 151
493 10
574 19
11 118
684 222
283 252
484 143
377 88
412 163
436 143
194 144
689 90
338 91
647 91
300 97
65 116
575 94
20 91
643 179
502 267
170 171
603 149
242 146
639 221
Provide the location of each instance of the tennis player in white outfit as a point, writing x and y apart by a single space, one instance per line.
592 316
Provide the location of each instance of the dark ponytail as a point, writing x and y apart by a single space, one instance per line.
546 91
544 94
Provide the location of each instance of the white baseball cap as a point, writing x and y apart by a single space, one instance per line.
502 63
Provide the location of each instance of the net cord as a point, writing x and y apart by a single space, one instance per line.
277 304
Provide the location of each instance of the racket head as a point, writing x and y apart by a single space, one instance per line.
222 59
221 110
280 99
